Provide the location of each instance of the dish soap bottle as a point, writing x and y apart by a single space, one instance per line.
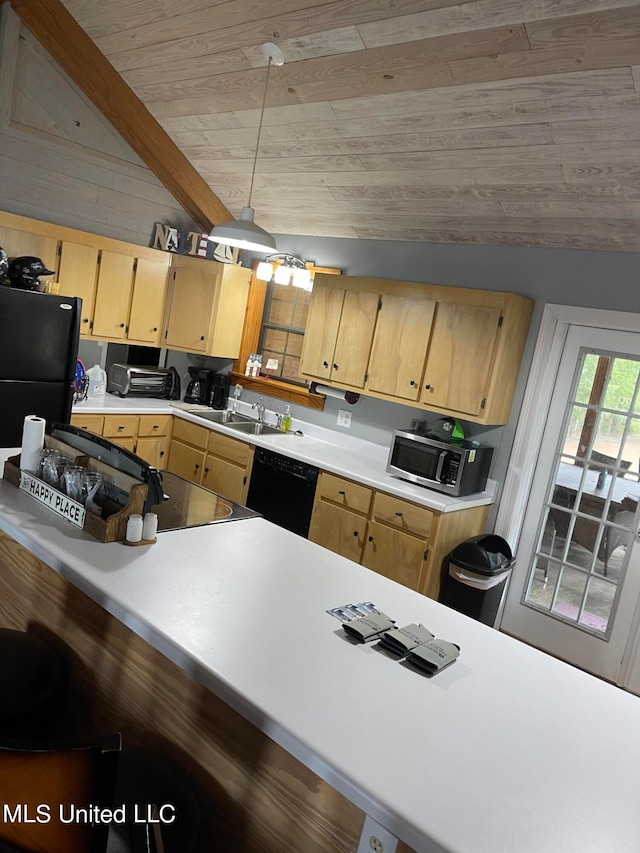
286 419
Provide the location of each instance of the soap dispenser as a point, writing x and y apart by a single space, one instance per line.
286 419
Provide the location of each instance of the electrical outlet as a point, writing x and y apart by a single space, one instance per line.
344 419
375 838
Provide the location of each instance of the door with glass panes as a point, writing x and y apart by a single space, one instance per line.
576 583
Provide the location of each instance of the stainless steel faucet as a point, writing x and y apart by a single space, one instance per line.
261 409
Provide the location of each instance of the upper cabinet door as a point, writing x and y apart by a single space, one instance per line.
113 299
147 306
78 276
192 295
321 331
400 346
355 336
460 358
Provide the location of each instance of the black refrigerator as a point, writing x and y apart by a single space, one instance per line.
39 335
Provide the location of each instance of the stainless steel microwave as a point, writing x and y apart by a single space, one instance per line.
458 469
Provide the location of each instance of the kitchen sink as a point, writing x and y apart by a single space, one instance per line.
231 419
254 428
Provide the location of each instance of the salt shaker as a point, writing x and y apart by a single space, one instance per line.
149 526
134 528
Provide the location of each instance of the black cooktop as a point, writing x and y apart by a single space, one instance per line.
188 505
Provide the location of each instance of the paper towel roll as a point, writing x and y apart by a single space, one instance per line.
32 443
349 396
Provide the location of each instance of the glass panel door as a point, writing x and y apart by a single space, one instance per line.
577 591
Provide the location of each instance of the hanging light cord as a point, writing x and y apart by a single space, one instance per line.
255 158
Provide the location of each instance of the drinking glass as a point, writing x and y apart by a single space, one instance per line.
71 481
52 467
91 490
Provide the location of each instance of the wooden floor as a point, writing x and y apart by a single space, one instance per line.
254 796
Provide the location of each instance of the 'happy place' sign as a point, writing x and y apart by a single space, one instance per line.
54 500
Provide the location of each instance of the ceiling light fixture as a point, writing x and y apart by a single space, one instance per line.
243 233
290 270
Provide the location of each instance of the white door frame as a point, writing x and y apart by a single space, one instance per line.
552 334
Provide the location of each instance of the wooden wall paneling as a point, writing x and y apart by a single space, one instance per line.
47 101
9 34
254 796
469 16
59 33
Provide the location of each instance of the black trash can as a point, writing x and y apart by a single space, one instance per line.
478 571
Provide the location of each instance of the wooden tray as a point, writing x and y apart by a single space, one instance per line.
111 525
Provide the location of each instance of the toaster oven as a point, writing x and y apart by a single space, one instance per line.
128 380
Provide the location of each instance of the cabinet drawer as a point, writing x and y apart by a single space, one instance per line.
190 433
230 448
92 423
407 516
119 425
154 425
344 493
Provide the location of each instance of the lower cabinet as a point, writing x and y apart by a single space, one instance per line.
227 467
394 537
210 459
148 436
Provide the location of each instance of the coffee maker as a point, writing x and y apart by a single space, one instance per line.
219 391
199 387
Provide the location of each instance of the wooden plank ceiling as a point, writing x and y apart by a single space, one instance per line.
512 122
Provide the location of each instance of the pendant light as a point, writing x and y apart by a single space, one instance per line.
243 233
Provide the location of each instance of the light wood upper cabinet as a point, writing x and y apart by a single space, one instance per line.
113 297
460 360
321 332
78 276
400 345
338 336
147 304
206 306
451 350
122 286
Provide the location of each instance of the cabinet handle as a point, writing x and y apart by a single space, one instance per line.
196 467
399 513
335 366
161 453
201 337
155 329
86 320
206 470
412 382
425 556
370 538
341 492
355 532
122 325
155 426
120 428
324 363
427 387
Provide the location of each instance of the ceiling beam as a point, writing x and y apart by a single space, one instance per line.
77 55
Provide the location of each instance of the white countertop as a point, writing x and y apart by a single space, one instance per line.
507 751
340 454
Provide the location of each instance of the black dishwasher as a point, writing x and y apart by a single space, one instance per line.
282 490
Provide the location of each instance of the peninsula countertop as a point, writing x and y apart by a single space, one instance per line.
506 751
347 456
